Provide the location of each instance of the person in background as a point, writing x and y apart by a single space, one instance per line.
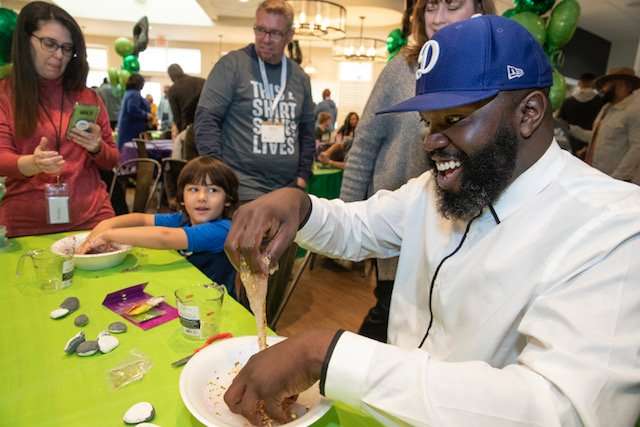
516 300
152 123
579 112
208 195
261 123
36 102
134 112
323 132
164 111
384 154
615 144
111 101
183 98
336 155
327 106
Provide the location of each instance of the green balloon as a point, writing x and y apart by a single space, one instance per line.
5 70
562 23
7 26
558 90
123 77
123 46
539 7
510 12
395 41
113 76
533 23
131 63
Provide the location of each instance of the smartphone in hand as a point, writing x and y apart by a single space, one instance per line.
83 115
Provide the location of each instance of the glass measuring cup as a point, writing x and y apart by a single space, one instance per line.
50 271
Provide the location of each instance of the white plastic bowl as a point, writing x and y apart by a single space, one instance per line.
68 245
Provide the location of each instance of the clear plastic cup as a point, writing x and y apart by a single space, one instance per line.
199 308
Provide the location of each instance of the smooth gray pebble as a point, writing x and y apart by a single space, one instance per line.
117 328
71 304
81 320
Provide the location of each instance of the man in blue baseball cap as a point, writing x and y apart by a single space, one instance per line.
516 300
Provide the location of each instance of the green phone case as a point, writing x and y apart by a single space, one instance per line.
82 115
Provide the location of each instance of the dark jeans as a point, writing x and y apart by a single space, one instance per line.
376 322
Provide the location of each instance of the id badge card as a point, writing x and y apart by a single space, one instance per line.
57 203
272 132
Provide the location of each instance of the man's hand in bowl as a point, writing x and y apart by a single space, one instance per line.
267 386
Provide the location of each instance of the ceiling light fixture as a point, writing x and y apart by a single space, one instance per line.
360 48
309 68
319 19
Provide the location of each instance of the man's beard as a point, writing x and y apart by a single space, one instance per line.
484 177
608 96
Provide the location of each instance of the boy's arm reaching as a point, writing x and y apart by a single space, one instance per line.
151 237
122 221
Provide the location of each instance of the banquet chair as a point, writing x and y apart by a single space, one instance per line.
147 175
171 169
141 146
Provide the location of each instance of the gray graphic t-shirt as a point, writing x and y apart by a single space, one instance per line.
231 110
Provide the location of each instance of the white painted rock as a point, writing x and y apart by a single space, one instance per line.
74 342
139 413
107 343
59 313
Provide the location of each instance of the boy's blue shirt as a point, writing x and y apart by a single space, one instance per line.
205 246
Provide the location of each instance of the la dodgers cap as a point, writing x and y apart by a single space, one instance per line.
473 60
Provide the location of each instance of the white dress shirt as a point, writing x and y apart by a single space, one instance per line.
536 320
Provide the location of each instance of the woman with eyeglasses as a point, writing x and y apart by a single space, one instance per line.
395 139
53 181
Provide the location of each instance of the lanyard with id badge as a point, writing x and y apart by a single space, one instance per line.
57 194
271 130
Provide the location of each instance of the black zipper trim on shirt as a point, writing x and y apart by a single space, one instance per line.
435 275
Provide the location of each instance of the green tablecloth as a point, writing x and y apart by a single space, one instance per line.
325 182
42 386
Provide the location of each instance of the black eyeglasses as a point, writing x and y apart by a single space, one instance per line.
275 35
52 46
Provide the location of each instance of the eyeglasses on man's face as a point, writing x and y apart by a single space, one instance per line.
275 35
52 46
432 5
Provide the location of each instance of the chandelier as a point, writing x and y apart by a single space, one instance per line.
318 19
360 48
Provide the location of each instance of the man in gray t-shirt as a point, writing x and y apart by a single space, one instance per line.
268 147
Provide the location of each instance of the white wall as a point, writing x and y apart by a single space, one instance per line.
622 53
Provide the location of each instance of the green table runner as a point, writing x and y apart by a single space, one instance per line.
42 386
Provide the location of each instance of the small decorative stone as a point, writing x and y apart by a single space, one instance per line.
117 328
59 313
146 425
107 343
74 342
81 320
87 348
71 304
139 413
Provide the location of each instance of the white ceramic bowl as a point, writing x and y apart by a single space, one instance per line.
209 373
89 262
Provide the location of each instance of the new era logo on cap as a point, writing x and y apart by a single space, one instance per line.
514 72
474 60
